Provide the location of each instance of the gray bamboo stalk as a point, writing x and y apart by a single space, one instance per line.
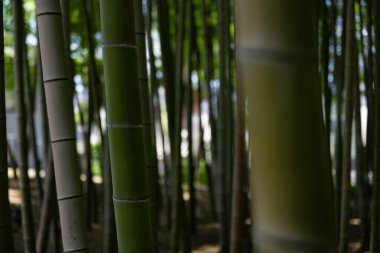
147 120
6 237
350 43
26 208
47 217
125 128
61 125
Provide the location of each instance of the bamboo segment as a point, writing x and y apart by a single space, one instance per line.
291 179
6 238
61 124
125 127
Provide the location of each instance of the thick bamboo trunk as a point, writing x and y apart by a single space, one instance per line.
125 128
293 203
6 238
62 126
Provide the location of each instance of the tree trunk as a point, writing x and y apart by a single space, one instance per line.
291 180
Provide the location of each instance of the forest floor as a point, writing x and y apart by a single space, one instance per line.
205 240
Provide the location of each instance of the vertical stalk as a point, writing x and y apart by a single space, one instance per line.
125 127
26 208
168 63
6 238
109 234
147 120
240 165
291 179
375 223
176 147
224 127
61 125
350 43
189 107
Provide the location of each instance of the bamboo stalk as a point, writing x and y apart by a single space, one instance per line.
348 79
26 208
240 165
6 237
293 203
147 119
177 200
62 126
375 227
125 128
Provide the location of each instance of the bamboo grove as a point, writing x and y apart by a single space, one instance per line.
146 126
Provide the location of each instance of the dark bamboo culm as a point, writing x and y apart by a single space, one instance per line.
6 238
26 208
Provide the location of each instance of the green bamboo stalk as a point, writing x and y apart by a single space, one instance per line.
208 71
240 165
125 128
349 84
224 128
293 201
370 89
147 120
375 223
155 95
325 60
26 208
177 200
61 125
189 108
362 190
109 228
6 238
92 77
168 61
